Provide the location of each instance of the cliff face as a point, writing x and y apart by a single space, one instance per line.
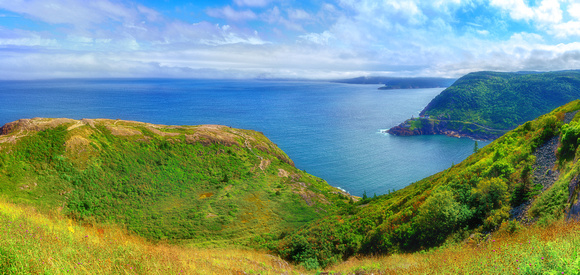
424 126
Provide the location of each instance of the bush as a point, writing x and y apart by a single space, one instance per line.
500 168
311 264
569 142
511 226
490 194
438 217
496 218
327 241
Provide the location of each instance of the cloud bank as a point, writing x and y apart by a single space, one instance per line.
284 39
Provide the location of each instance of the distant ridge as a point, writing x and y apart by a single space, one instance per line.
401 82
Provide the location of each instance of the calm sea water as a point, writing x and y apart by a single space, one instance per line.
330 130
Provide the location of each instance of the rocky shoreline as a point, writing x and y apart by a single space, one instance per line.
425 126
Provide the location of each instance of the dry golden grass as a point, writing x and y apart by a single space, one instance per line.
554 249
33 243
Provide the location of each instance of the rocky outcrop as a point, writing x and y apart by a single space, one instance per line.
34 124
573 200
425 126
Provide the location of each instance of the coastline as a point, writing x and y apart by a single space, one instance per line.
451 128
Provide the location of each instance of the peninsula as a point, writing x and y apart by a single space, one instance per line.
485 105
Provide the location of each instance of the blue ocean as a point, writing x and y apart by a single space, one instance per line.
330 130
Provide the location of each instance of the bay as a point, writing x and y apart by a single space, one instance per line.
330 130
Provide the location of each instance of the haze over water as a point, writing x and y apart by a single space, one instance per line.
330 130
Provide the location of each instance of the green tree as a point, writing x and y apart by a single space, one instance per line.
437 217
491 197
475 147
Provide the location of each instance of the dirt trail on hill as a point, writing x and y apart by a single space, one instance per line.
545 160
544 170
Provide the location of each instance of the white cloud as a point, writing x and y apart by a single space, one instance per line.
25 39
275 16
317 38
548 16
150 14
394 11
567 29
548 12
28 42
75 12
229 13
102 38
574 10
180 34
298 14
483 32
252 3
517 9
102 25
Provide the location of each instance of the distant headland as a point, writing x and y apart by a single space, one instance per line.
401 82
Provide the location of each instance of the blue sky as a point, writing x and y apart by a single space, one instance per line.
318 39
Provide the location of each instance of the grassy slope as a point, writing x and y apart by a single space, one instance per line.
473 197
203 185
35 243
552 249
482 189
504 100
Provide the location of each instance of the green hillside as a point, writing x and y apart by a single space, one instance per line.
529 174
203 185
75 182
487 104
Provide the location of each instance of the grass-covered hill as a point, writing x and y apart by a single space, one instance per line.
76 193
530 174
203 185
36 243
488 104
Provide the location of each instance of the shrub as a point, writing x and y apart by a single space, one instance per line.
490 194
495 218
437 217
569 142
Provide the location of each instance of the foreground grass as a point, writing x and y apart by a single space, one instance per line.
552 249
34 243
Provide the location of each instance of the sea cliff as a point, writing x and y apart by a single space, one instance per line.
426 126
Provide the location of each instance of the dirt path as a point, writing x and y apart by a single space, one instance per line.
545 172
